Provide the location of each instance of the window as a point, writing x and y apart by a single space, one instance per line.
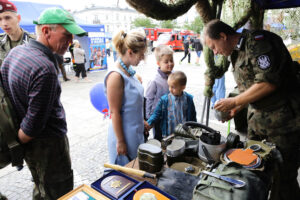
96 20
173 38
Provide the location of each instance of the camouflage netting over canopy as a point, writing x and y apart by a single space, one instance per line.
207 9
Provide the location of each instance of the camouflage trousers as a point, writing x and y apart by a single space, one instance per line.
282 128
49 162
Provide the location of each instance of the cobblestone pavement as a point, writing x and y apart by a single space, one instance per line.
87 131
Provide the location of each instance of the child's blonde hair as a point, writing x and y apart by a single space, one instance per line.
179 77
162 50
134 40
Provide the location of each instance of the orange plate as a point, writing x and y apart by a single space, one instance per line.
244 157
158 195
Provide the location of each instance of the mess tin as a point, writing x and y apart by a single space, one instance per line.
175 151
150 158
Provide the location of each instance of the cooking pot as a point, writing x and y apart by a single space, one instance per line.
211 153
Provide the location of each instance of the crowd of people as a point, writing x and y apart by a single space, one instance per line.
262 67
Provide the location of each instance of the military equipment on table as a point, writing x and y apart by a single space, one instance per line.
189 130
166 141
175 151
150 158
233 141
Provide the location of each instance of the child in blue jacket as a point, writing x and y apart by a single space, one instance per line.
159 85
174 108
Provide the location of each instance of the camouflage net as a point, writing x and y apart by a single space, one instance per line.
284 22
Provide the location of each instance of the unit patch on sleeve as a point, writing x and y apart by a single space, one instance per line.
263 62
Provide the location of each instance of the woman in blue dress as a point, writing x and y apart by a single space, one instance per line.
125 95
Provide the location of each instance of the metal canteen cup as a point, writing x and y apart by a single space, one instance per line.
213 150
221 116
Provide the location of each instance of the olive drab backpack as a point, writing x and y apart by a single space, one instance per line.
11 150
211 188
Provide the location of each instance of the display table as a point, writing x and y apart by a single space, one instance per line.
178 184
134 164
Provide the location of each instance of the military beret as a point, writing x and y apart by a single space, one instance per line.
7 6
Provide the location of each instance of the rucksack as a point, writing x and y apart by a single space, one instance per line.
11 151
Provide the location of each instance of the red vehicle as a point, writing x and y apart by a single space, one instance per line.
188 33
152 34
174 40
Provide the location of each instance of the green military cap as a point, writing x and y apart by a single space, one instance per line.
60 16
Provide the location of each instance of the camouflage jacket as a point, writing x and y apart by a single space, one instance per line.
261 56
5 44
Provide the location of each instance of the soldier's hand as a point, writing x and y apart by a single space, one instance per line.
225 105
208 91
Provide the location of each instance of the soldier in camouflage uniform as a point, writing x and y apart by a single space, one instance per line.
266 79
13 34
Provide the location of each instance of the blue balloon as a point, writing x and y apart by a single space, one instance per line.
98 98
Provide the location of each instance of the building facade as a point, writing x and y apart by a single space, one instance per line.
113 18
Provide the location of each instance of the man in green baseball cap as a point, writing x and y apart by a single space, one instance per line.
43 127
60 16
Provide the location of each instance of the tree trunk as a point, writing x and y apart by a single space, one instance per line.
160 10
257 17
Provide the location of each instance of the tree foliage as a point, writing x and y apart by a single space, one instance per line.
284 22
196 25
168 24
143 22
